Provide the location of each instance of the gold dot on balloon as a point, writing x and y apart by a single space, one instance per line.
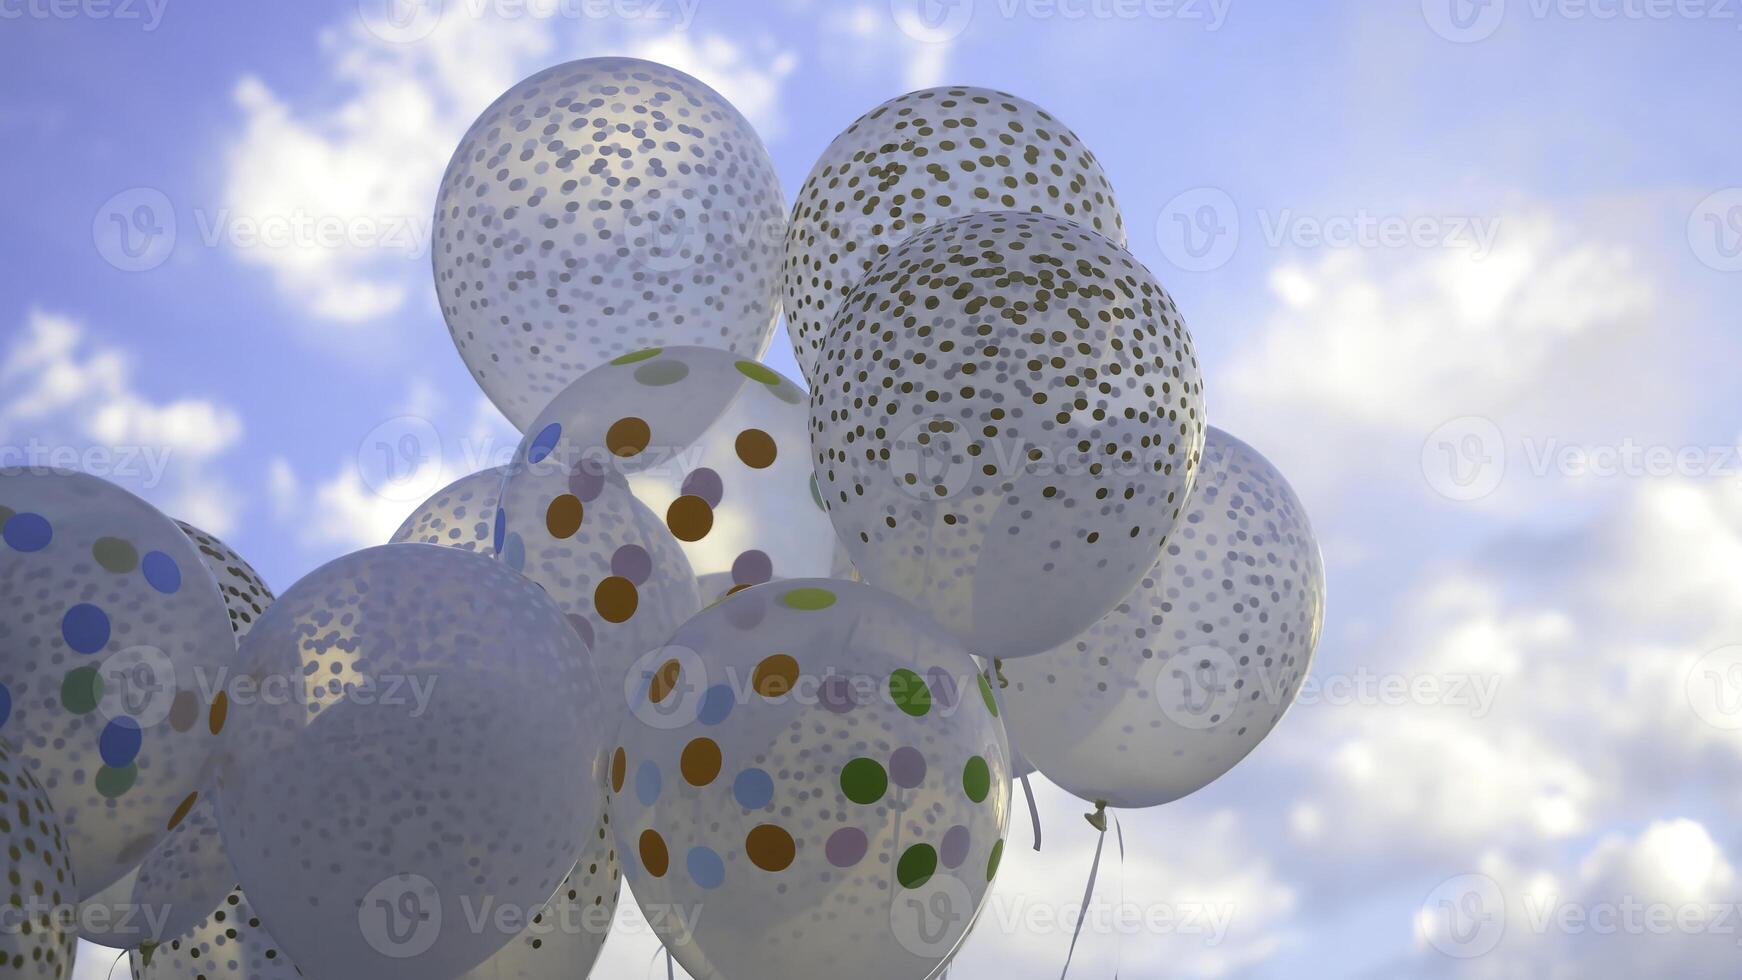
182 811
619 770
775 676
627 436
654 856
563 516
690 518
770 848
220 711
664 681
616 599
701 762
756 448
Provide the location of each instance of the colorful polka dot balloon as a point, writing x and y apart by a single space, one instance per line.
569 522
913 161
409 743
460 515
35 945
596 208
230 944
716 445
1005 423
1196 666
814 782
187 874
112 633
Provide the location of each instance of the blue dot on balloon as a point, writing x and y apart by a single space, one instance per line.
5 704
706 868
120 743
544 442
716 705
753 789
514 553
647 784
27 532
501 531
161 572
85 628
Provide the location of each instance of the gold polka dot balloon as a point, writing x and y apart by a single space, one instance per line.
813 782
1005 423
913 161
229 944
596 208
1196 666
35 945
460 515
112 634
411 741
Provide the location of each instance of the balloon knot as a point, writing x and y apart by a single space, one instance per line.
998 668
1098 819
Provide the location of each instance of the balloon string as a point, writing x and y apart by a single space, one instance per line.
1098 820
117 963
670 975
1119 944
1033 810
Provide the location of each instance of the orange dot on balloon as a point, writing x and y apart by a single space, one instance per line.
701 762
182 811
664 681
690 518
563 516
775 676
654 856
615 598
627 436
619 770
770 848
756 448
220 711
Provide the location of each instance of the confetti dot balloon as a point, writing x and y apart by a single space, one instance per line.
814 782
596 208
566 934
111 636
229 944
460 515
913 161
569 522
715 444
35 944
1190 672
409 742
1005 423
187 874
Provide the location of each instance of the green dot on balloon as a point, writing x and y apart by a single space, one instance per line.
660 373
116 782
816 493
81 690
115 555
907 689
758 372
997 856
809 599
864 781
986 695
640 355
917 866
977 779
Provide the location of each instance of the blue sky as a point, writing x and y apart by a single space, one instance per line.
1467 272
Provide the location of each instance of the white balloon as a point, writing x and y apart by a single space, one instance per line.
460 515
229 944
110 635
813 783
1005 422
187 874
596 208
569 522
913 161
35 944
1196 666
413 740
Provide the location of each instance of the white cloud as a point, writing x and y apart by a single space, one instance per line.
69 400
866 39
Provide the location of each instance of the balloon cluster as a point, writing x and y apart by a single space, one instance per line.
772 652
